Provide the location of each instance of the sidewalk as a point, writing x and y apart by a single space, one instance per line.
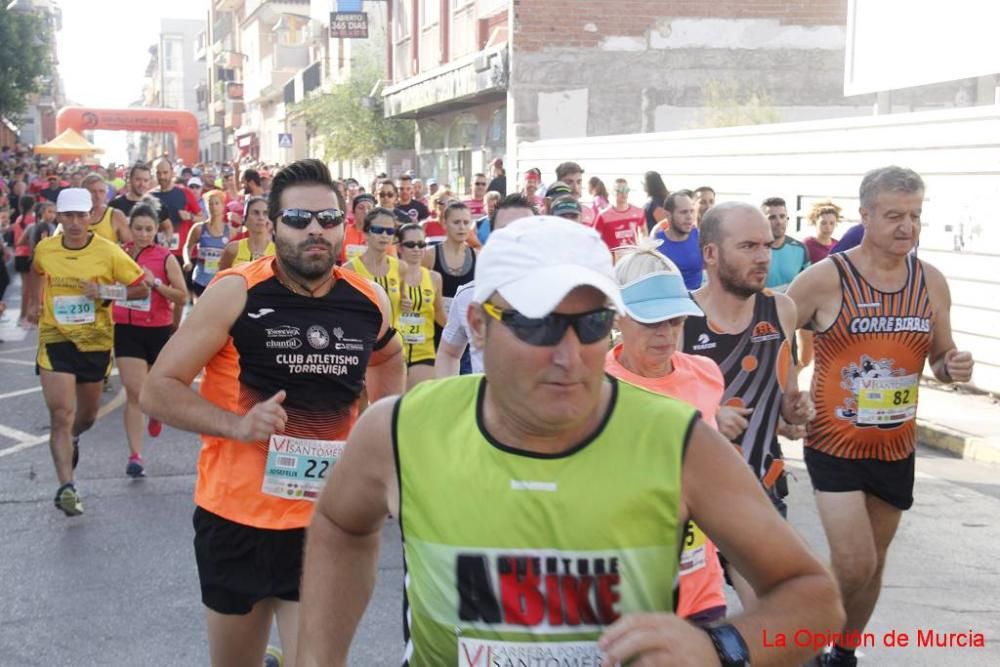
959 422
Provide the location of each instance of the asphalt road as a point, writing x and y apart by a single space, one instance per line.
118 585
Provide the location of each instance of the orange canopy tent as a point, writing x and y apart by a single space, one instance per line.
70 142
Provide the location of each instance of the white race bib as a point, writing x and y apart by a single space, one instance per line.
114 292
412 328
887 400
353 251
73 309
297 467
211 257
143 305
490 652
693 555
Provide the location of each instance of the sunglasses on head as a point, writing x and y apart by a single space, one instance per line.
590 327
413 244
300 218
378 229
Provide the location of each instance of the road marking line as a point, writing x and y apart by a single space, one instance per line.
19 362
20 392
18 349
30 440
15 434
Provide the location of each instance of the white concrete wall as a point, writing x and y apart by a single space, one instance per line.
956 151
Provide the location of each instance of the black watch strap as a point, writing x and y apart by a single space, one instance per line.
729 644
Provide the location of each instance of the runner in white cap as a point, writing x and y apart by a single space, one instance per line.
541 506
83 274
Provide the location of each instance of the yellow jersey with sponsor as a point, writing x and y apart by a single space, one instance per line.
67 314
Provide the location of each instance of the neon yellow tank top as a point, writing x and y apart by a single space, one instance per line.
104 228
417 326
390 282
522 556
244 256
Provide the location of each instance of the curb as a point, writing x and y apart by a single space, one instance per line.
957 443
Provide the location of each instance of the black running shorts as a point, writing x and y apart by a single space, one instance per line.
22 263
65 357
891 481
239 565
141 342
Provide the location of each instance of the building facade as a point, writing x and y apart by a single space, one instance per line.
37 125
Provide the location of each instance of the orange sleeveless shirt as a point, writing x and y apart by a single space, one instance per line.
868 363
317 350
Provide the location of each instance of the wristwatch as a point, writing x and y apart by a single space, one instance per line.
729 644
157 282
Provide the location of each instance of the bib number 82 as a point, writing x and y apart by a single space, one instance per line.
901 397
313 464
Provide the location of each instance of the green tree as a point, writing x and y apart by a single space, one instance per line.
24 58
349 129
728 105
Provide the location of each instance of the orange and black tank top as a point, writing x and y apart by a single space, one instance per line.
868 363
317 350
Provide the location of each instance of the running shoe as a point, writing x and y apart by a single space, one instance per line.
68 500
76 451
274 657
154 427
135 468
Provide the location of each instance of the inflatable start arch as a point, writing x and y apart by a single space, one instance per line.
184 124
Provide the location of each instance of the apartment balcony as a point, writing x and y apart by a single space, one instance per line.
201 47
277 68
469 81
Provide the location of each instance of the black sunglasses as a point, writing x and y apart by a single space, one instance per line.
377 229
413 244
300 218
590 327
387 194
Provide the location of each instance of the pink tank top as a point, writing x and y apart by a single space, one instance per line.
154 310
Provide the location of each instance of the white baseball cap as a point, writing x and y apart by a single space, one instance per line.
74 200
535 262
193 181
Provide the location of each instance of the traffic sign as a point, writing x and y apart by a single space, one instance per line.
284 140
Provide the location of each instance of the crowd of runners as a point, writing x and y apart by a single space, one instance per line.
608 459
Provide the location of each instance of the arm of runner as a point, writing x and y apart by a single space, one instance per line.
440 317
795 591
453 339
192 207
341 555
174 289
386 373
947 362
229 255
120 224
192 240
818 285
167 394
796 406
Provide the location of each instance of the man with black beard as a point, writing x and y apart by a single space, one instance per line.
750 335
287 344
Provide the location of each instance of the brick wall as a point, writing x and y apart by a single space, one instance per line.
564 23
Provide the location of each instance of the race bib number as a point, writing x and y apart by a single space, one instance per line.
693 555
211 256
412 325
175 242
73 309
143 305
113 292
489 653
888 400
297 468
353 251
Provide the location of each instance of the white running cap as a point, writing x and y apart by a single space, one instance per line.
535 262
